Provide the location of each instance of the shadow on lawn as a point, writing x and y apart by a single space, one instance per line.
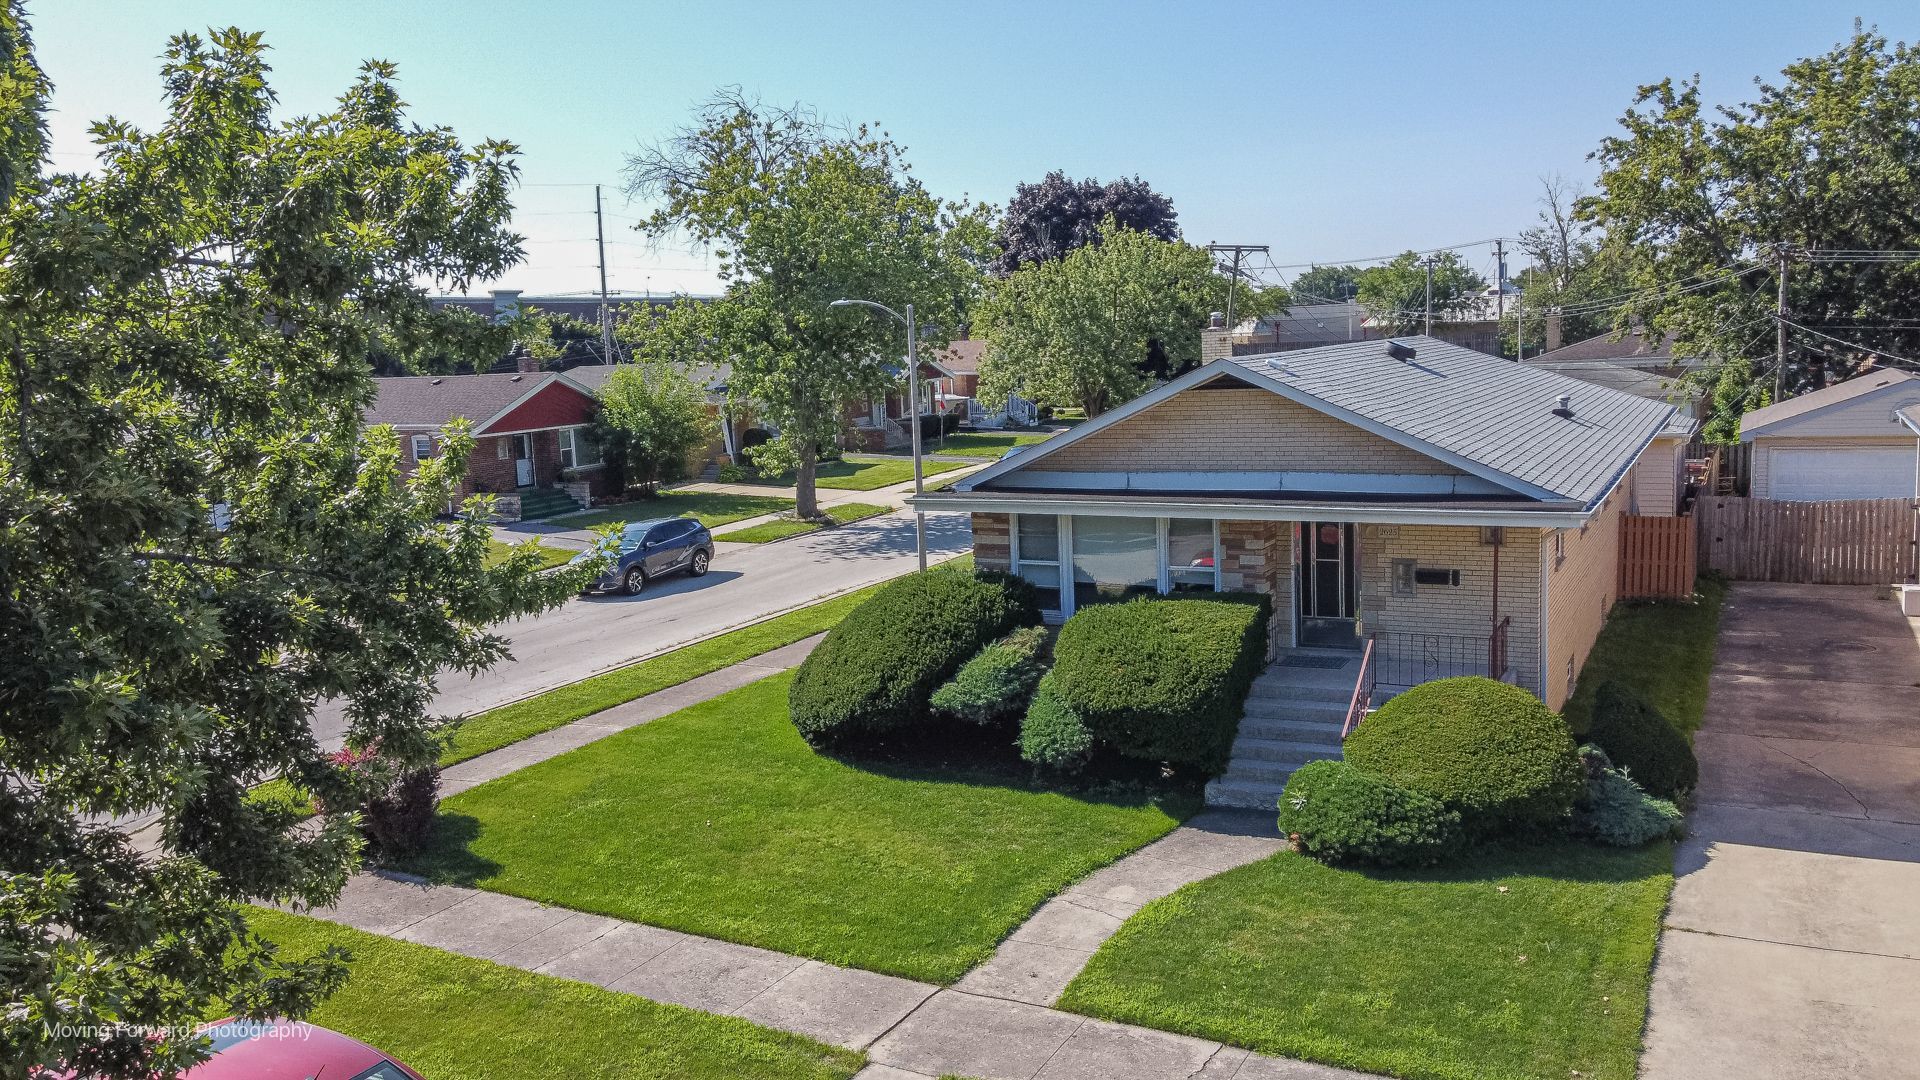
1549 858
447 857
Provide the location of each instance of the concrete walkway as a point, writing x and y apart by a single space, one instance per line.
1792 944
1043 955
908 1029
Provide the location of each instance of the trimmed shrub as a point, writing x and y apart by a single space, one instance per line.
1615 811
1162 680
1052 735
396 803
1491 751
876 670
1643 742
1339 814
997 682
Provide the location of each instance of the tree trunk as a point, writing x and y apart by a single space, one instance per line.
805 505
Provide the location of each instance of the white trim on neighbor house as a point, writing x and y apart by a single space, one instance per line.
1227 368
569 443
1566 516
1822 413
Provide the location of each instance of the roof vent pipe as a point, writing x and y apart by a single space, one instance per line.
1401 352
1563 406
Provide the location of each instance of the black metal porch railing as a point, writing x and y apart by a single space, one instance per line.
1403 660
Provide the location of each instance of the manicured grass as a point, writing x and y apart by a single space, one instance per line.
711 507
841 514
984 444
455 1018
282 794
1662 649
720 821
1524 962
508 724
864 473
550 556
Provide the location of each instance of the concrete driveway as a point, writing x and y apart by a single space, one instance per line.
1792 945
748 582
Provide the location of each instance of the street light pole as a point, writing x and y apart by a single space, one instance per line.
913 394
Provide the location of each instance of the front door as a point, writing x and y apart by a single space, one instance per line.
523 460
1328 593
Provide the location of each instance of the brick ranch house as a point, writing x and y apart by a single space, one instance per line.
1414 509
1448 505
531 448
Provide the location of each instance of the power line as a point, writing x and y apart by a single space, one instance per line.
1868 349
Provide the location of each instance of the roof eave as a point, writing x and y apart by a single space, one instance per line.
1557 515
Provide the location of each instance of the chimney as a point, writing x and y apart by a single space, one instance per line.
1216 341
524 360
1553 330
506 304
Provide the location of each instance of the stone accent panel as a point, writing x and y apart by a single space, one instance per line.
992 542
1257 556
1238 429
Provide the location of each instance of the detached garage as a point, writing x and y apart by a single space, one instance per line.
1848 441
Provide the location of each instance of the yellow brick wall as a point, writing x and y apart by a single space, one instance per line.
1580 592
1462 611
1238 430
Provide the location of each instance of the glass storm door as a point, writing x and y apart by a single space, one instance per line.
1328 591
523 460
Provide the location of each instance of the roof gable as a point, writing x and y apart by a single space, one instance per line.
554 403
1838 398
434 401
1489 418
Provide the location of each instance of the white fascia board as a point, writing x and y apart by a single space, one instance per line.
1023 458
1273 483
991 503
1910 416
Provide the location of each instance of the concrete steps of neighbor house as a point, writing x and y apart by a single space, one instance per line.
536 503
1293 715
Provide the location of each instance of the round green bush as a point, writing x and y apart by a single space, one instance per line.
1163 680
1491 751
1643 742
1343 815
1616 812
876 670
1052 735
997 682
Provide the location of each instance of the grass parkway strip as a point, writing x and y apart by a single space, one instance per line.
467 1019
712 508
766 532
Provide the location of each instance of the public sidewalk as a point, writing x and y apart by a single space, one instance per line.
987 1027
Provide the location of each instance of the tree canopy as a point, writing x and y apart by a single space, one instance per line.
199 542
800 215
652 419
1395 293
1045 221
1325 284
1696 204
1092 328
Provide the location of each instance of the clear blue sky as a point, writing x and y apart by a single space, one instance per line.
1327 131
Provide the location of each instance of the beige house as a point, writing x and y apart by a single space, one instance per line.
1851 440
1457 512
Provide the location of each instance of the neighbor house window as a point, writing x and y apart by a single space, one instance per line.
577 450
1193 555
1559 547
1036 551
422 447
1115 558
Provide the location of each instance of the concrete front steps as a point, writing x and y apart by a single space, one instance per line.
1293 716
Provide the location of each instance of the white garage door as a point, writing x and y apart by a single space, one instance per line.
1880 472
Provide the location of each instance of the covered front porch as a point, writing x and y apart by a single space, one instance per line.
1426 601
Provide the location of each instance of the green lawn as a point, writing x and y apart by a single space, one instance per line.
1661 648
841 513
865 473
712 508
508 724
455 1018
550 556
984 444
720 821
1530 962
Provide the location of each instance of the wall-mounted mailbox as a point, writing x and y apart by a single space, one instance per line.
1424 576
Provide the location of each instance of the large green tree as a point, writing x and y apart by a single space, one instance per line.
1823 166
652 419
1326 284
800 215
1395 293
198 541
1092 328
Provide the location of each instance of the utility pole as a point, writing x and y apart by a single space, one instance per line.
1500 290
1429 264
1780 326
1520 326
606 317
1233 272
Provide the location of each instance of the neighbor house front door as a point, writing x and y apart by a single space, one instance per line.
523 460
1328 593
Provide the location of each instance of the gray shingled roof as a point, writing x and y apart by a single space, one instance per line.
1478 408
432 401
1858 386
594 376
1634 347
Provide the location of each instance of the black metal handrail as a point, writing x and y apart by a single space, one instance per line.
1405 659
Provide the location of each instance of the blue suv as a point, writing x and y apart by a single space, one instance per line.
652 549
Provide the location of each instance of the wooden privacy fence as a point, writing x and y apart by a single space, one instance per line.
1852 542
1656 557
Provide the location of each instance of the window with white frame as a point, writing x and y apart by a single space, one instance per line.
577 450
1193 555
422 447
1036 551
